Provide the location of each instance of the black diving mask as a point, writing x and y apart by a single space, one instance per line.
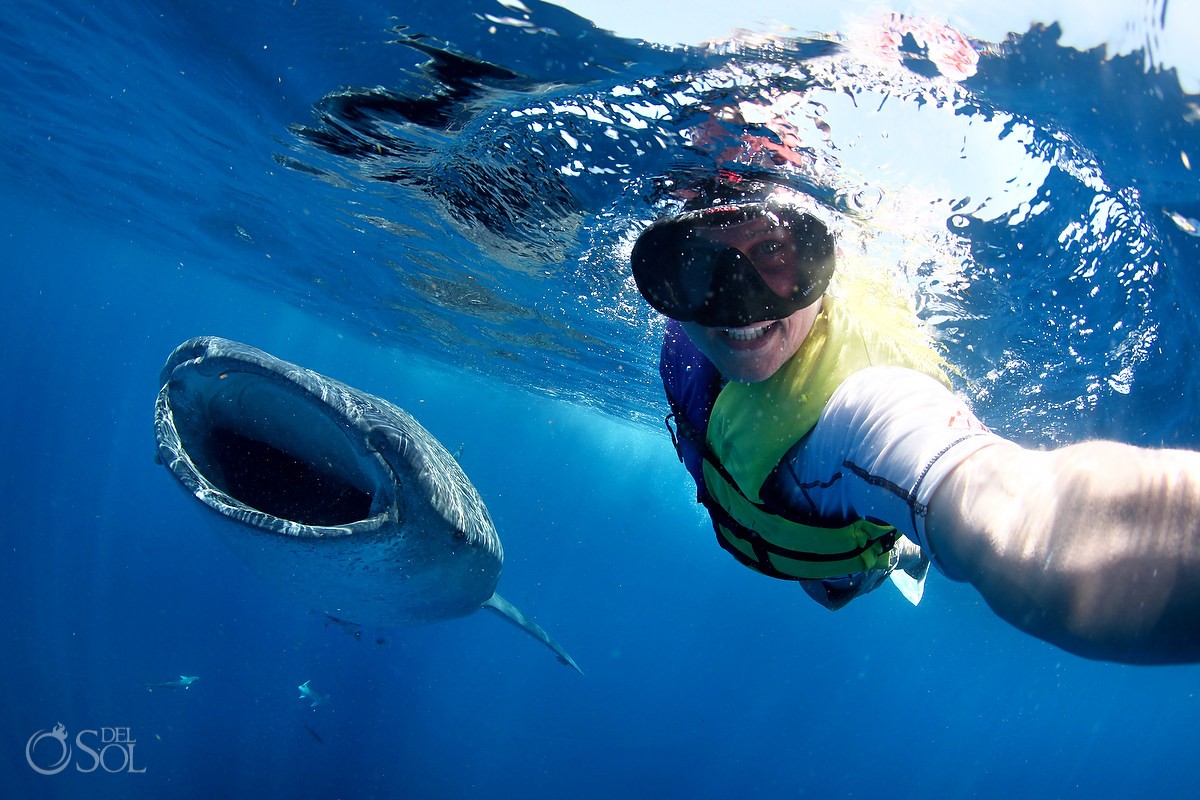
734 265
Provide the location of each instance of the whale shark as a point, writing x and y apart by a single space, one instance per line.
184 682
338 498
308 693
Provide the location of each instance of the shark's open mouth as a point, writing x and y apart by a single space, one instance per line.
265 476
269 445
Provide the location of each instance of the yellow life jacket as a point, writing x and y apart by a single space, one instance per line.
753 425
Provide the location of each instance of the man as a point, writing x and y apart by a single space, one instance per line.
831 452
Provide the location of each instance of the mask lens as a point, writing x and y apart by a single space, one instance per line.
734 266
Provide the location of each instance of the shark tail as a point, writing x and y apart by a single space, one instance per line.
513 614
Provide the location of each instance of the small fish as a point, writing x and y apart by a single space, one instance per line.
307 693
316 736
184 682
1188 225
348 628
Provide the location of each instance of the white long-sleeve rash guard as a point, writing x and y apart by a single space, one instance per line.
883 444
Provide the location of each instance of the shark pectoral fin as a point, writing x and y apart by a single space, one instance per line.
513 614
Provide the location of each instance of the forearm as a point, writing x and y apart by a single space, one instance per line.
1094 547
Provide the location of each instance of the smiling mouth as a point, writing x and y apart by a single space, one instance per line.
748 334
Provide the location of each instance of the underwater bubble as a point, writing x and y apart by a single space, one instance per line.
863 200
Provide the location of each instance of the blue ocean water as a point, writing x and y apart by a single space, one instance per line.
430 202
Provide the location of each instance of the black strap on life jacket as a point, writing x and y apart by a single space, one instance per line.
684 430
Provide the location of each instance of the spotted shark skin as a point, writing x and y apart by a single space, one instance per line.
339 498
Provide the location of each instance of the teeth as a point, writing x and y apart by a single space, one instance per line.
748 334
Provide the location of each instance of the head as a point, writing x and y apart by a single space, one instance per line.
744 275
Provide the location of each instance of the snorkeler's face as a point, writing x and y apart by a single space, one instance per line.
755 352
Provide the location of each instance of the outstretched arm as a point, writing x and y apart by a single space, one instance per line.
1094 547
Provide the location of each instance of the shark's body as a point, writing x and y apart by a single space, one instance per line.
308 693
337 497
183 683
